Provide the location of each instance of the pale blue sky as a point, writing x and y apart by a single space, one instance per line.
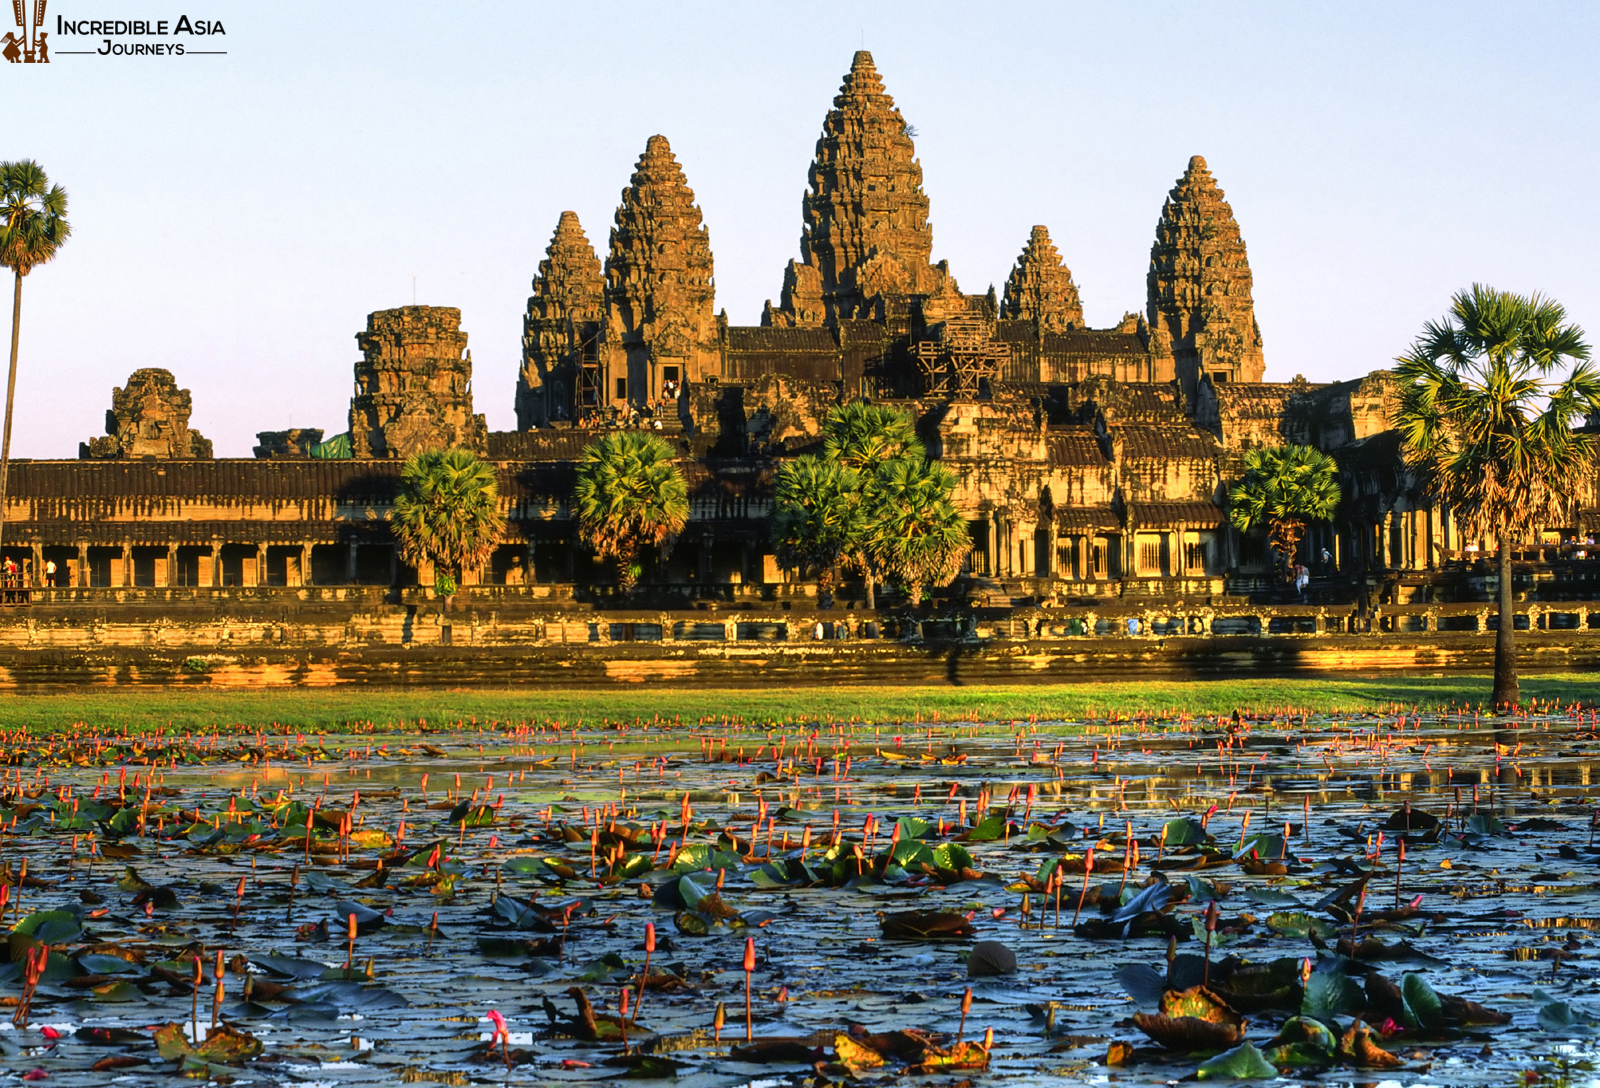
237 217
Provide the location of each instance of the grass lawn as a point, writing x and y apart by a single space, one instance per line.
332 710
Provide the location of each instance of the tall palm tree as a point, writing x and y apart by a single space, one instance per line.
916 533
33 226
1284 488
447 514
629 494
1488 400
865 437
818 517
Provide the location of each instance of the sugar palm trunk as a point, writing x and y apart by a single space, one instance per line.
1505 651
11 395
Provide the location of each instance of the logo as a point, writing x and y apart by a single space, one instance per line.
29 43
30 48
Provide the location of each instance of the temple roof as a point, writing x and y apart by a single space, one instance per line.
1163 443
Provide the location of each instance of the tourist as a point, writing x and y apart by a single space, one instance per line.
1327 563
1302 578
50 572
817 634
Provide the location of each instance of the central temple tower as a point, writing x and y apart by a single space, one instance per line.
866 229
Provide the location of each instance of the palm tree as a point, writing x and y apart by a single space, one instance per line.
818 517
916 533
1486 414
33 226
1284 488
865 436
629 494
447 514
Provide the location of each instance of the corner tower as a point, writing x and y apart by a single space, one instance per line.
414 385
1199 284
866 232
658 285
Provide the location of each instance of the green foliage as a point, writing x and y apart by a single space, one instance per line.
917 534
1487 415
33 216
819 516
1243 1062
1330 994
873 500
865 436
1283 489
447 513
629 494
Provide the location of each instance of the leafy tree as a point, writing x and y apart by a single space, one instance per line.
872 501
1488 400
447 514
818 517
916 534
1284 489
33 226
865 436
629 494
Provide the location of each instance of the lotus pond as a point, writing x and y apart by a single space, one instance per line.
1401 898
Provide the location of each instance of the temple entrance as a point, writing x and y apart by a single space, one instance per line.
66 561
105 567
508 566
187 568
149 566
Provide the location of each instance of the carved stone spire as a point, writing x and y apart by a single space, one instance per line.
1040 288
1199 284
866 219
659 288
566 306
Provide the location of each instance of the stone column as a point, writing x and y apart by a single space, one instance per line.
305 563
38 565
216 564
172 565
126 565
83 565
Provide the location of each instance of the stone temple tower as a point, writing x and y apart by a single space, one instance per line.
866 231
1199 284
563 319
1040 287
414 385
659 291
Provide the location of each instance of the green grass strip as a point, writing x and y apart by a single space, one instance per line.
336 709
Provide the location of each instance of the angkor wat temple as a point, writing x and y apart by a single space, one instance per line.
1093 463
